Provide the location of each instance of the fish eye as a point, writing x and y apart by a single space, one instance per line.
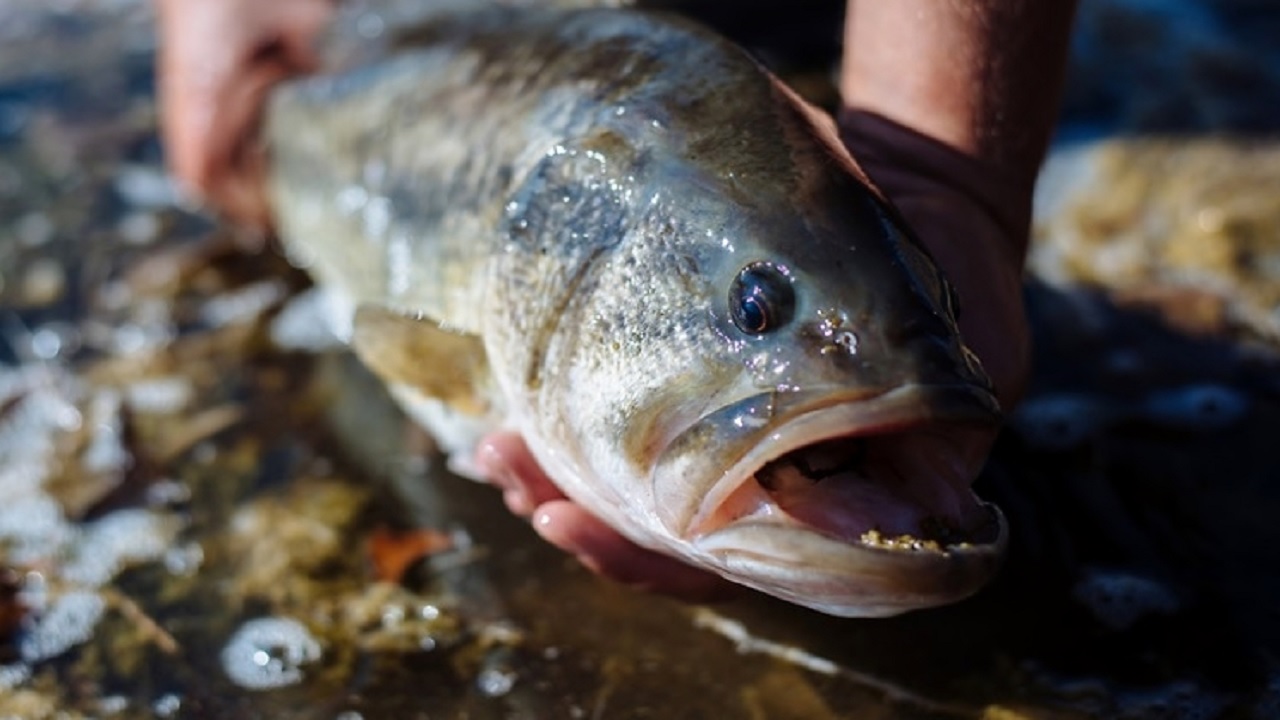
761 299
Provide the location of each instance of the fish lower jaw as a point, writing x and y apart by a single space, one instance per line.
871 578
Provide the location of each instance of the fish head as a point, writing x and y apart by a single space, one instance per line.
842 420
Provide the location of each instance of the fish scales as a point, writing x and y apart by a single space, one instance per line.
521 96
600 197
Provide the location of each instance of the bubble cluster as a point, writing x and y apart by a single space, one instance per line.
13 675
269 653
166 705
42 405
68 622
33 526
115 541
496 682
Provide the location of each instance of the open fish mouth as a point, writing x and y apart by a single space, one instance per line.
903 489
861 506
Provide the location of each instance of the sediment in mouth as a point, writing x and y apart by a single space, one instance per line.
905 490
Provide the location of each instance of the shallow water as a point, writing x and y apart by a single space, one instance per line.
197 523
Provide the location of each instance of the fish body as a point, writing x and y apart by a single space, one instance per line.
615 233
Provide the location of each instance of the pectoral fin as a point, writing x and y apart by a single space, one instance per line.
416 351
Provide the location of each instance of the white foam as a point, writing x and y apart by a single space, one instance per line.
34 529
13 675
269 653
115 541
67 623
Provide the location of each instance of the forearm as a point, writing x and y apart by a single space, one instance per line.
982 76
949 106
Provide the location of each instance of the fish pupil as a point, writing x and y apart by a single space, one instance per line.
755 315
761 298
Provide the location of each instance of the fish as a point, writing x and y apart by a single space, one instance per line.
616 233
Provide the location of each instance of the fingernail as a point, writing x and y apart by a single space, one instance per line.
495 468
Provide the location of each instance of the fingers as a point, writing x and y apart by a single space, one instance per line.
506 461
218 60
597 546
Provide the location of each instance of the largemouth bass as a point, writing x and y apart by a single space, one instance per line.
617 234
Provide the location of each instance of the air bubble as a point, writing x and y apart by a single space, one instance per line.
496 682
269 653
167 705
68 622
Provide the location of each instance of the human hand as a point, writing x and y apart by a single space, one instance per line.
218 60
506 461
974 224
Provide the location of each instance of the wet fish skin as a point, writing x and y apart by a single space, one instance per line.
579 190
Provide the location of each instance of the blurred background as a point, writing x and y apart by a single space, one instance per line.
200 516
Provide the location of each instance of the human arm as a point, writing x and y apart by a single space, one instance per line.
949 106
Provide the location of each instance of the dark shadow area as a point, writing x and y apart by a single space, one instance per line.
1190 67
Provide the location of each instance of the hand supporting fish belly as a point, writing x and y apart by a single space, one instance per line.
615 234
505 460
